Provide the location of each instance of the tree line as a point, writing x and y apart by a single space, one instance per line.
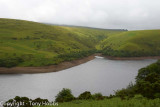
108 51
12 61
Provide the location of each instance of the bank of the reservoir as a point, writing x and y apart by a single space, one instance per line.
64 65
45 69
132 58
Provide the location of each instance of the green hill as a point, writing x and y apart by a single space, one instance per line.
132 43
25 43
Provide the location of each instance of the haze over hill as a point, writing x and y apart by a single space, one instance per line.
85 27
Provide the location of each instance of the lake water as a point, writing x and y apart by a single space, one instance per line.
98 75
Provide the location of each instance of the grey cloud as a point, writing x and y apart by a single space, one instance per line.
127 14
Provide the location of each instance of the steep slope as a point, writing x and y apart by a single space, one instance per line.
25 43
132 43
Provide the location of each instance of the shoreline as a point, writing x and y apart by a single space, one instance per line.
131 58
47 69
65 65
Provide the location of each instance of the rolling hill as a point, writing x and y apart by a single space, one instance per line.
26 43
132 43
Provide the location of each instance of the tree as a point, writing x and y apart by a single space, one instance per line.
64 96
150 86
85 95
98 96
18 102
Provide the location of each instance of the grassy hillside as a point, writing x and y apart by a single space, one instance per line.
132 43
25 43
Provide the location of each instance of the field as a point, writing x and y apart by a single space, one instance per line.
114 102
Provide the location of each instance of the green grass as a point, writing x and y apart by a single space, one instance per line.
146 42
113 102
38 44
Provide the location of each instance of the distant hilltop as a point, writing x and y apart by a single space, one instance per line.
86 27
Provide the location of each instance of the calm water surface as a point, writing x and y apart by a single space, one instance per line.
99 75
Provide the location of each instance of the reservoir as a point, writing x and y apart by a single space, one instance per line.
98 75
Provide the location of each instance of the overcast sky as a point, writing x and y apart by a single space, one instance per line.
116 14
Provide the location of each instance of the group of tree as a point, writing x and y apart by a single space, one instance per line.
25 102
14 60
10 62
76 55
108 51
65 95
147 83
